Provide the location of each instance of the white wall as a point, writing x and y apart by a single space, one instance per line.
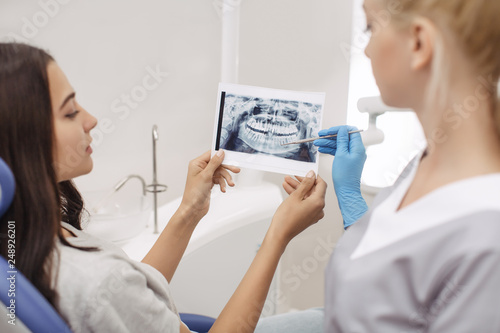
299 45
107 48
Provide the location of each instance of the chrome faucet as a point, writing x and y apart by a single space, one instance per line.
155 188
104 200
122 182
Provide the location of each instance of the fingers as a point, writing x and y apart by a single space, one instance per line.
225 175
343 141
356 144
205 156
293 182
335 130
351 128
330 131
199 162
288 188
327 146
220 181
290 184
327 143
347 142
317 198
305 186
212 170
327 151
319 189
231 168
214 162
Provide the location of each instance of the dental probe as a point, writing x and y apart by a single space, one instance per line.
312 139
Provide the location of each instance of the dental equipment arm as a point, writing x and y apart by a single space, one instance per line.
347 167
203 173
375 107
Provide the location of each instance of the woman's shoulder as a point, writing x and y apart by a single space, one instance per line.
478 230
103 283
93 260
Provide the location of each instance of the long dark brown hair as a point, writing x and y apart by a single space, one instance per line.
26 144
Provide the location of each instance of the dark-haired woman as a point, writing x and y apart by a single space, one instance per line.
45 139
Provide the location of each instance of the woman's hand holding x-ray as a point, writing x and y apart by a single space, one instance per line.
301 209
203 173
350 157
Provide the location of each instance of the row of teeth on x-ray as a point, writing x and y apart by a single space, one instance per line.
265 141
276 129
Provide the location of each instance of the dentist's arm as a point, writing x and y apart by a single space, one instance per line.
203 173
347 167
301 209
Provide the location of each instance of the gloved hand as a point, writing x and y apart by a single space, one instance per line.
347 167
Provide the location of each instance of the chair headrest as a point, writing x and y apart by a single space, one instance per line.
7 186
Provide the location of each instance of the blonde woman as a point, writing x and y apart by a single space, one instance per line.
426 256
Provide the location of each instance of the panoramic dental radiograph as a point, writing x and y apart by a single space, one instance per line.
257 125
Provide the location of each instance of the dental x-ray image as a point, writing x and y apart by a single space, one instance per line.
256 121
260 125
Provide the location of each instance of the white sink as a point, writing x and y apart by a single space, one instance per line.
118 216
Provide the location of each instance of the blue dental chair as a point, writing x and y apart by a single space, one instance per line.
24 305
22 301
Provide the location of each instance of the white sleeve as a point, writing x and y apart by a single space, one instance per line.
127 301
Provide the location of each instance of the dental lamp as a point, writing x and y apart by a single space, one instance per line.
373 135
375 107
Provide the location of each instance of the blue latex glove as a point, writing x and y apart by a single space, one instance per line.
347 167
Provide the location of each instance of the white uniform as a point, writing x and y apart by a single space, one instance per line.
433 266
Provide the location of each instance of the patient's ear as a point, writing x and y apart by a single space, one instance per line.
422 43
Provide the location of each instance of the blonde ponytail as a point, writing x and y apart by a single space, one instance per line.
469 21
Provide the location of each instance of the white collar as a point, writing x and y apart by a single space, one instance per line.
445 204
